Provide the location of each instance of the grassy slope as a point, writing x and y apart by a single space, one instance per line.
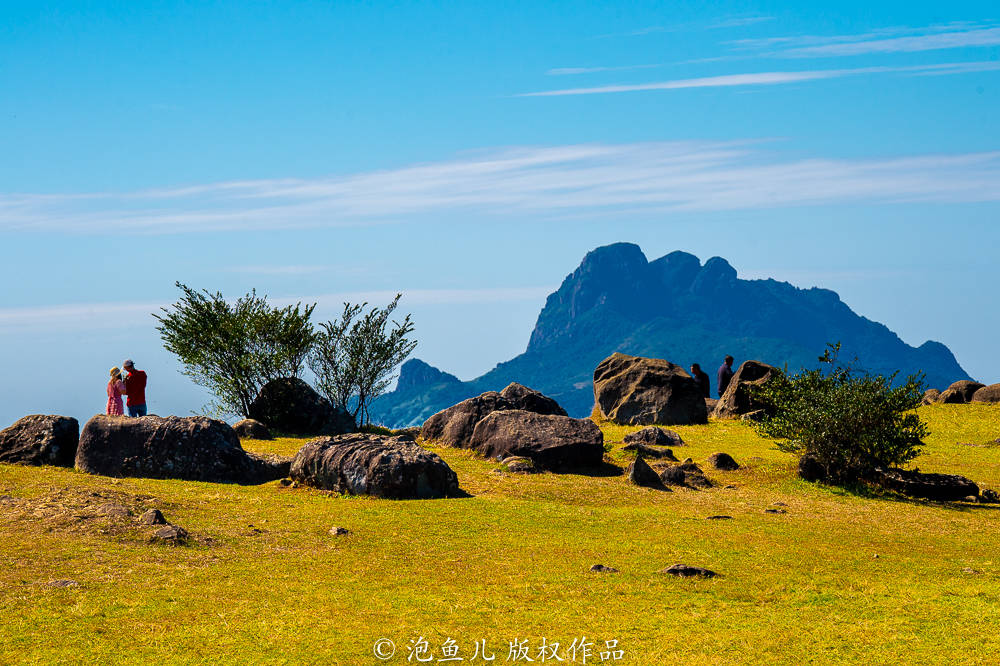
265 582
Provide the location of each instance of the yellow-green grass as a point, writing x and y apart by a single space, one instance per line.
839 578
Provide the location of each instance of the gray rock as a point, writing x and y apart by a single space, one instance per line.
454 426
553 442
339 531
939 487
153 517
194 448
600 568
654 452
639 473
170 534
686 571
379 465
723 461
960 392
291 406
251 429
738 398
631 390
530 400
988 394
40 439
652 436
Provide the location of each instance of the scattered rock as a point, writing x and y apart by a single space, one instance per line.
775 511
62 583
600 568
291 406
987 394
686 571
723 461
518 465
40 439
654 452
631 390
530 400
112 510
653 436
971 572
694 477
194 448
170 534
989 496
930 397
673 476
960 392
811 469
379 465
339 531
778 504
153 517
251 429
719 517
738 399
939 487
552 442
639 473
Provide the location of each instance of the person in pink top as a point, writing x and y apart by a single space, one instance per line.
116 388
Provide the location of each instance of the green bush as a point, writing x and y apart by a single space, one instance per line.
852 422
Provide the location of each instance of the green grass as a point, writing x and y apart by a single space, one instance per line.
263 581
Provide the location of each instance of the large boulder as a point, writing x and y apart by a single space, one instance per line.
631 390
195 448
291 406
379 465
530 400
930 397
960 392
40 439
940 487
454 426
738 399
552 442
251 429
989 394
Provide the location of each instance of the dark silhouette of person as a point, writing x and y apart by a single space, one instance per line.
725 375
701 378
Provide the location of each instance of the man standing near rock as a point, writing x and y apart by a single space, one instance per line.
135 388
701 377
725 375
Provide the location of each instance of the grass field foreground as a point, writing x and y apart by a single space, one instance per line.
840 577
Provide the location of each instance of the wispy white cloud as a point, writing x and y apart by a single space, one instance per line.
566 71
122 315
740 22
770 78
598 180
901 39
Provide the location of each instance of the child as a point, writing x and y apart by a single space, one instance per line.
116 387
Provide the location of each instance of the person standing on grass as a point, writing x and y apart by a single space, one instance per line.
116 388
701 377
725 375
135 388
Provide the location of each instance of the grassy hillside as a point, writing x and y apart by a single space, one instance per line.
839 577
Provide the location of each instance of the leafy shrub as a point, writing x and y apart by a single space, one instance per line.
234 349
852 422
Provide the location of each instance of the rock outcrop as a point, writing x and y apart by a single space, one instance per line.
631 390
989 394
654 436
40 439
738 398
291 406
378 465
251 429
194 448
930 397
453 426
939 487
553 442
960 392
530 400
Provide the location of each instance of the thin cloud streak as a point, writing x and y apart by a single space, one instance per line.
770 78
101 316
569 71
594 180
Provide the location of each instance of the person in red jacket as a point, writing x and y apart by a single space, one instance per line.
135 389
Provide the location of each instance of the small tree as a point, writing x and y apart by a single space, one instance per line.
851 421
234 349
355 356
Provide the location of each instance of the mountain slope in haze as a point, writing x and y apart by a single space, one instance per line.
674 308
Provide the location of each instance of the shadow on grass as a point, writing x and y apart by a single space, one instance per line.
605 469
872 492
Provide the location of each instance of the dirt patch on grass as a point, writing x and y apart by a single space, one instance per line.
107 513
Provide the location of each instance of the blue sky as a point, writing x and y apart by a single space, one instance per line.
468 155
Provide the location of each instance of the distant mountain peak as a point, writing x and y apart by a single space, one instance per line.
416 373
